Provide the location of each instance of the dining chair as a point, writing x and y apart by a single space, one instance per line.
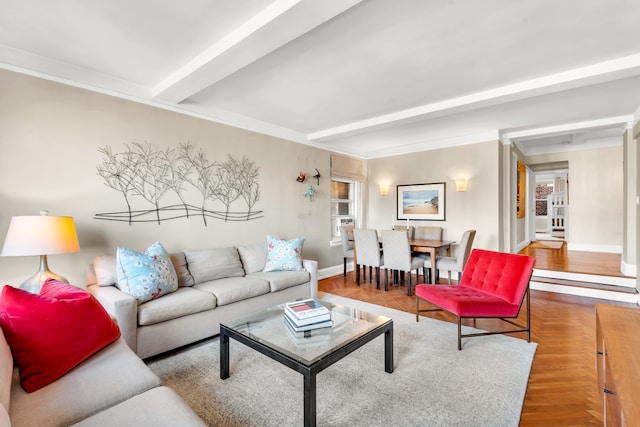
409 229
346 234
457 263
397 256
423 232
368 253
493 285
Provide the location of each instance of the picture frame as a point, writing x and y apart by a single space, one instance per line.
422 202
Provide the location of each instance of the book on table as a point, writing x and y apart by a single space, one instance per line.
325 323
307 309
320 335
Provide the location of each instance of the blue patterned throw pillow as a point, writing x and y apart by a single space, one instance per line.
147 275
284 255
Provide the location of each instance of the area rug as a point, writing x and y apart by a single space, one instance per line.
433 384
548 244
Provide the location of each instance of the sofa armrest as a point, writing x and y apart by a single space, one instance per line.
121 306
312 267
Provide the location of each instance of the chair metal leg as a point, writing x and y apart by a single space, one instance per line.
409 284
386 280
377 277
417 308
358 274
459 333
345 267
370 273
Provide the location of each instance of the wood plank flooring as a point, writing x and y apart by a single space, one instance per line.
562 385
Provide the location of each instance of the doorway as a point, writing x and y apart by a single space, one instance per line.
551 202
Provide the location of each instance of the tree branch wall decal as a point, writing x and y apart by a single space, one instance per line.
144 172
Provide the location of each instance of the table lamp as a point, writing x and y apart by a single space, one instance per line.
40 235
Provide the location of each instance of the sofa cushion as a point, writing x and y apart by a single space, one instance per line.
214 263
54 331
180 264
279 280
146 275
157 407
105 269
254 257
109 377
180 303
233 289
284 255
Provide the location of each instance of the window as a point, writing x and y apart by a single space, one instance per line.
344 196
543 190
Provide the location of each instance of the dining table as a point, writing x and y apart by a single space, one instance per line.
431 247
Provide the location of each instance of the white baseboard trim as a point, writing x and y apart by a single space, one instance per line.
586 292
520 246
627 282
628 269
585 247
323 273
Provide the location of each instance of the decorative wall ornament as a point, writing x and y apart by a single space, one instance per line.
142 171
302 177
309 193
317 177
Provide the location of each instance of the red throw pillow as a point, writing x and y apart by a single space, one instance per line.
54 331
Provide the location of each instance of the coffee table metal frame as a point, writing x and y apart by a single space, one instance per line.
308 371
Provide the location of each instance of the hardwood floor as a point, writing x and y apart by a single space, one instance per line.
604 264
562 384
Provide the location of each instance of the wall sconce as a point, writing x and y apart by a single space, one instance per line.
384 189
461 184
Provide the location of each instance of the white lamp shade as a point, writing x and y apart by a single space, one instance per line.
40 235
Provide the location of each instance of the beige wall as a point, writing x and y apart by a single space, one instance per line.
49 139
595 196
629 254
477 208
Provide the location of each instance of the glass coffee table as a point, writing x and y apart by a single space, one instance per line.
267 333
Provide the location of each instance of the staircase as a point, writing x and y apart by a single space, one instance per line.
610 288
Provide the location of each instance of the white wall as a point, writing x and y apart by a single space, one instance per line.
49 139
595 197
477 208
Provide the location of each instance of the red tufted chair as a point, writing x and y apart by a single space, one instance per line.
493 285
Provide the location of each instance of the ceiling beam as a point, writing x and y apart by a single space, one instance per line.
597 73
278 24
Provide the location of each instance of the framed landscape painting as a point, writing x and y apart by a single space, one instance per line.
421 202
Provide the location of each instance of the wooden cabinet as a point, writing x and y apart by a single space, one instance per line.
557 213
618 364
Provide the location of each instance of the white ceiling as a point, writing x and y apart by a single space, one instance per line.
368 78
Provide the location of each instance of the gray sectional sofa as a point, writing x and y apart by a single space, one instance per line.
111 388
215 284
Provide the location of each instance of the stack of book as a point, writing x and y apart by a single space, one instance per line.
307 315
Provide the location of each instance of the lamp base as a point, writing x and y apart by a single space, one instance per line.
35 282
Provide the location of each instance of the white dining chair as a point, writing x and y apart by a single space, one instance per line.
456 263
346 234
367 252
397 256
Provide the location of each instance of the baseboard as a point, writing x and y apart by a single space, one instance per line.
323 273
628 269
520 246
611 249
626 282
585 292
